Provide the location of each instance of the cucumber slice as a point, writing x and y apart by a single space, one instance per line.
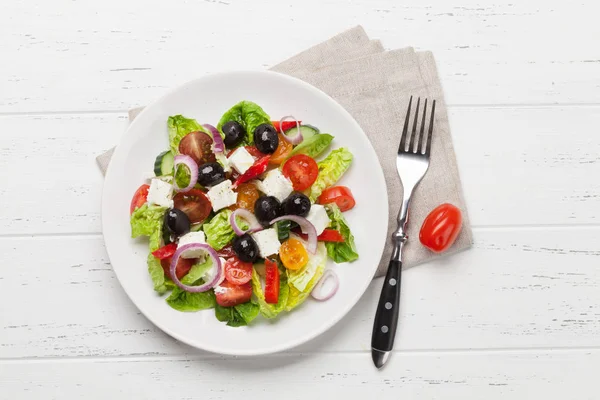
283 229
307 131
163 165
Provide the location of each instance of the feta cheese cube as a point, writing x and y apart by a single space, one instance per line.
275 184
160 193
267 241
318 217
241 160
192 237
222 195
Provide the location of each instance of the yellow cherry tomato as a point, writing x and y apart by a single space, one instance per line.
293 254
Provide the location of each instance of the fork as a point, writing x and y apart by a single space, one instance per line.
412 164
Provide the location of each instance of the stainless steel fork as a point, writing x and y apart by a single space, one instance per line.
412 163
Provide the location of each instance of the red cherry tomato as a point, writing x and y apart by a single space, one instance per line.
271 282
226 252
238 272
197 145
301 170
229 295
340 195
165 251
441 228
139 198
183 266
194 203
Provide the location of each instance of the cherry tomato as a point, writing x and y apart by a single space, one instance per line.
238 272
282 152
271 282
139 198
301 170
285 125
197 145
165 251
183 266
258 168
441 228
226 252
194 203
293 254
247 194
230 295
340 195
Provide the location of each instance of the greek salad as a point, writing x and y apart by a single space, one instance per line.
242 217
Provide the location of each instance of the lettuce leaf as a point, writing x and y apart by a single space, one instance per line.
179 126
301 282
147 221
313 146
249 115
331 170
219 232
270 310
239 315
157 274
343 251
189 302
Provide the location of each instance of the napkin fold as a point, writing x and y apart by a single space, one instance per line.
375 86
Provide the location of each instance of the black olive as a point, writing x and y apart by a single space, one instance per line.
266 139
246 248
296 204
266 209
234 133
210 174
177 222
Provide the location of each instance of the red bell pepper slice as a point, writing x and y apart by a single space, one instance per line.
271 282
328 235
165 251
259 168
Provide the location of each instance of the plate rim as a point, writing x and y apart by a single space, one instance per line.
321 329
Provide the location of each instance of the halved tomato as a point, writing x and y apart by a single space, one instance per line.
237 271
293 254
340 195
302 170
284 148
139 198
194 204
229 295
166 251
197 145
247 194
183 266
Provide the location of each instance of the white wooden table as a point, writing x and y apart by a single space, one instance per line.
517 317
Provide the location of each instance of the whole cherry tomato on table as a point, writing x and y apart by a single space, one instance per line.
441 228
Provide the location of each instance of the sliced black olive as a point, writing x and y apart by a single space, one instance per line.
296 204
234 133
266 209
245 247
177 222
266 139
210 174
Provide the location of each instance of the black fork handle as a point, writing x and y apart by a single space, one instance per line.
386 317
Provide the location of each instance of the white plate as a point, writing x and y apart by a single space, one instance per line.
206 99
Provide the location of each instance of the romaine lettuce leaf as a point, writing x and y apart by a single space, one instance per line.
270 310
249 115
157 274
178 127
219 232
342 251
301 282
190 302
147 221
239 315
331 170
313 146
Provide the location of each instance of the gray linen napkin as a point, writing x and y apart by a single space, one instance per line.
375 86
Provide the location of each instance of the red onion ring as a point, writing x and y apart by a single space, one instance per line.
192 166
317 289
255 226
297 138
219 146
306 227
216 266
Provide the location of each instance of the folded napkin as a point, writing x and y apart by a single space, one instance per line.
375 86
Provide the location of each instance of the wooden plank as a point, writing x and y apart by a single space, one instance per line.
541 177
120 54
482 375
516 288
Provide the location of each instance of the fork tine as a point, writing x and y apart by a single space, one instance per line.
421 135
411 147
405 129
429 134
